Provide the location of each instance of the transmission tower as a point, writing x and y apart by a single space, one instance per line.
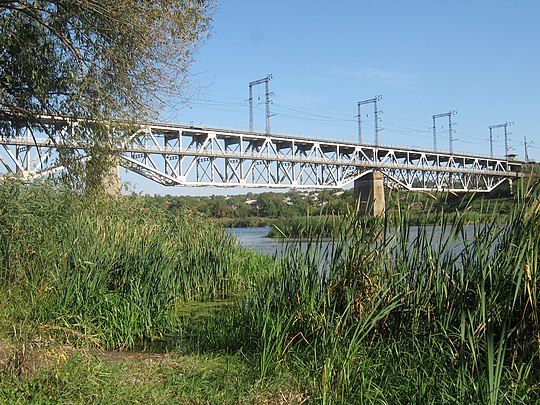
450 130
267 101
376 118
506 133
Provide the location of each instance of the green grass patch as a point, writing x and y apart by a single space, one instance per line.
113 271
64 376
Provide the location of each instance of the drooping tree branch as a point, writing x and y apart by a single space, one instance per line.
97 59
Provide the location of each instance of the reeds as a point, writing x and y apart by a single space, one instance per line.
112 271
458 300
382 312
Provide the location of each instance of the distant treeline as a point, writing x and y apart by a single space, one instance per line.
267 208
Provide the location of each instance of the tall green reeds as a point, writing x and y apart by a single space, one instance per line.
445 311
391 312
111 271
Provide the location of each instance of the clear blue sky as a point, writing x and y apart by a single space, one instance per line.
478 57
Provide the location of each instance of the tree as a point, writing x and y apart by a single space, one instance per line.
100 60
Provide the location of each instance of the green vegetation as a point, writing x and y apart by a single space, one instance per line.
386 313
97 60
153 378
267 209
381 316
305 227
111 271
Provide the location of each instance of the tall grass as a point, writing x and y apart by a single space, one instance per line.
383 312
394 313
111 271
305 227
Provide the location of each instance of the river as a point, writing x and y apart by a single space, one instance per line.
255 238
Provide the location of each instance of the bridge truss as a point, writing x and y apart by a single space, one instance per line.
176 155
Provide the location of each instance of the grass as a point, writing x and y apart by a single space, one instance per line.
112 271
383 312
462 310
305 227
65 376
421 209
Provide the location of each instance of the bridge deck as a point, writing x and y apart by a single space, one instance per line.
186 155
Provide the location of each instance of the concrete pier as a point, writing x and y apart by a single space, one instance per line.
369 191
111 181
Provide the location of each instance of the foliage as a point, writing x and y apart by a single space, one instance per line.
384 312
65 376
288 211
305 227
394 313
113 270
98 60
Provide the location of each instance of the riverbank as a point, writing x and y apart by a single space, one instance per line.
119 294
418 208
330 226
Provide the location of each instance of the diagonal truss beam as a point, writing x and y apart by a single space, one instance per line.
177 155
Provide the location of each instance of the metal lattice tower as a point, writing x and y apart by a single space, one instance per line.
526 145
266 80
376 118
450 130
491 141
506 133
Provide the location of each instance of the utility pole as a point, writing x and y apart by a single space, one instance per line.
506 133
526 148
359 125
450 130
434 134
376 113
267 94
491 142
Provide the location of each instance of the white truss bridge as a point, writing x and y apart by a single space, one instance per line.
177 155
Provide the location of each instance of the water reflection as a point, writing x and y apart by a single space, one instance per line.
255 238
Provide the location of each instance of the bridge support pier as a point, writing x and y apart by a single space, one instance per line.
369 192
111 181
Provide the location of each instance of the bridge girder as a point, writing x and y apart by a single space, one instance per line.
176 155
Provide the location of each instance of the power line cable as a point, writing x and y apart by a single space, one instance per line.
328 115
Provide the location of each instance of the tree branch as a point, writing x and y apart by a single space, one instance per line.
30 11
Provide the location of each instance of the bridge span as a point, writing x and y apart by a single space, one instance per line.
178 155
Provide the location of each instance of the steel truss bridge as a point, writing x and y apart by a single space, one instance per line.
176 155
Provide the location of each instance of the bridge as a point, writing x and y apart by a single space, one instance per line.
178 155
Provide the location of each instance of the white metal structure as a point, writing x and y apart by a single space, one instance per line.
176 155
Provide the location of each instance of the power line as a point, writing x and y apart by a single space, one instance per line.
327 117
316 113
450 136
506 133
526 145
405 128
314 119
339 118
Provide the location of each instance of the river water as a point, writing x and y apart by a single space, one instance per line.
255 238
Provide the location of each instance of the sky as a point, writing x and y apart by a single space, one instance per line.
477 58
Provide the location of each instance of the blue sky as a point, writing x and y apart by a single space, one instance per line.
478 57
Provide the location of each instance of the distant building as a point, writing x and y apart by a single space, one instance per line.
253 203
288 201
